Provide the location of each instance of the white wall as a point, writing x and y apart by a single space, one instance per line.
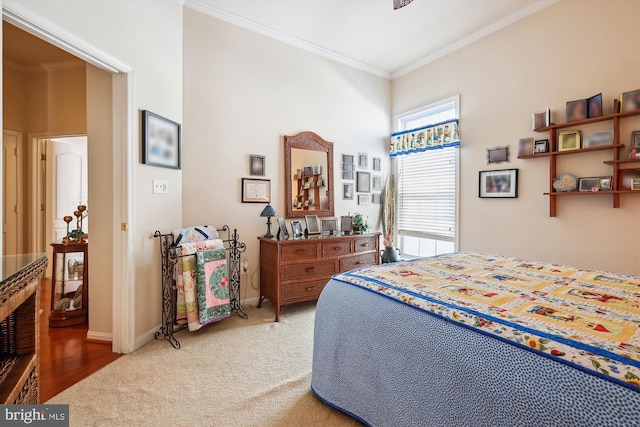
571 50
242 93
147 36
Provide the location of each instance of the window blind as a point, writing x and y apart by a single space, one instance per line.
427 194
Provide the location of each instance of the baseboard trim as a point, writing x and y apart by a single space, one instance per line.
101 337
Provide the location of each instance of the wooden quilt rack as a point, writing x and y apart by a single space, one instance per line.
169 291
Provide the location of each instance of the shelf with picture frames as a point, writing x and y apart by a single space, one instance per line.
623 175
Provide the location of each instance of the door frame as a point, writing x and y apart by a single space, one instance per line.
19 199
124 132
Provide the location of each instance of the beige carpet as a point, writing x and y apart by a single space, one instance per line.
236 372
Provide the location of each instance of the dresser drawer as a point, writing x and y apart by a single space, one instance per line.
358 261
337 248
364 244
296 252
303 291
307 269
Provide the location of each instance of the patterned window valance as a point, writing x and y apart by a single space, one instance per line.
430 137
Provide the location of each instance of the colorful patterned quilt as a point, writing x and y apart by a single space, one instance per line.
584 318
201 282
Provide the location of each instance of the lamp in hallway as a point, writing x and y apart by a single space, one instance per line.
268 212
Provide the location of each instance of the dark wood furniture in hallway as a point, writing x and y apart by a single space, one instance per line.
66 357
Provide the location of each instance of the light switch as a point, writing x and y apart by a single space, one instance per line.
160 187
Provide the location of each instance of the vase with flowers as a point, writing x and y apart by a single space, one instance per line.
388 214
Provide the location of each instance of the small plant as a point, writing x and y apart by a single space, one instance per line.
359 223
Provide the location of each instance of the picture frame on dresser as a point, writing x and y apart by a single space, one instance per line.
313 224
296 229
329 225
283 233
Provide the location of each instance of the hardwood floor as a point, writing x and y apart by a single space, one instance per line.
66 356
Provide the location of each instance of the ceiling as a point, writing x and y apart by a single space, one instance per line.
366 34
369 34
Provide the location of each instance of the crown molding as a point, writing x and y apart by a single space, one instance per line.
247 24
521 14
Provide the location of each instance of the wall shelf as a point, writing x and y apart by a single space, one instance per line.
615 161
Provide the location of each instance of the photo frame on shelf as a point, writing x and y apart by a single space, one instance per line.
630 101
634 146
525 146
256 190
283 233
363 161
541 120
363 199
541 146
497 155
329 225
363 182
626 176
346 224
296 229
569 140
605 183
589 184
256 165
498 184
313 224
635 184
347 191
577 110
161 141
598 139
594 106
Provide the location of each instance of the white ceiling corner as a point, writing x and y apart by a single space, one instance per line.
368 34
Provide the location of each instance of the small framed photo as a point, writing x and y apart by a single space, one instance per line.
346 224
363 199
525 147
283 233
577 110
626 176
347 176
630 101
605 183
598 139
594 106
256 190
348 167
377 164
296 228
498 184
497 155
329 225
635 184
541 146
376 198
347 191
363 182
347 158
160 141
568 140
363 161
589 184
541 120
376 183
634 147
256 165
313 224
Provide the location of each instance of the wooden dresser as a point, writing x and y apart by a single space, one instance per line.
296 270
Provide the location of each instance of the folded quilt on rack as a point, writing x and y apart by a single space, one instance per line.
187 307
198 233
212 288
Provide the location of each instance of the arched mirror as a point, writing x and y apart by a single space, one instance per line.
308 164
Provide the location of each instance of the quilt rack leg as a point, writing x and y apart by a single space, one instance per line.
235 249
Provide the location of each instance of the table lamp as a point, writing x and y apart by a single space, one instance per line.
268 211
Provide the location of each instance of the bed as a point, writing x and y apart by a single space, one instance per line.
470 339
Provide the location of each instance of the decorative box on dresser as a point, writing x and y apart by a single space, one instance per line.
296 270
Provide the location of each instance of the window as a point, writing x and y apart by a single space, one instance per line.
427 188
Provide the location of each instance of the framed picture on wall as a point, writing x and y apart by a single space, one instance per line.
160 141
256 190
499 184
363 182
256 165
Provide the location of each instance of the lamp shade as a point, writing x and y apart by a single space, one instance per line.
268 211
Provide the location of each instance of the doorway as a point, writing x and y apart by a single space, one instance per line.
12 208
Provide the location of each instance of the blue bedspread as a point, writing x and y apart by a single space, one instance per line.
392 364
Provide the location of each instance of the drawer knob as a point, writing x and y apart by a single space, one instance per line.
336 248
364 245
299 251
309 269
311 288
359 262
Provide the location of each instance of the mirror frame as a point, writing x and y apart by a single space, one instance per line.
307 141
